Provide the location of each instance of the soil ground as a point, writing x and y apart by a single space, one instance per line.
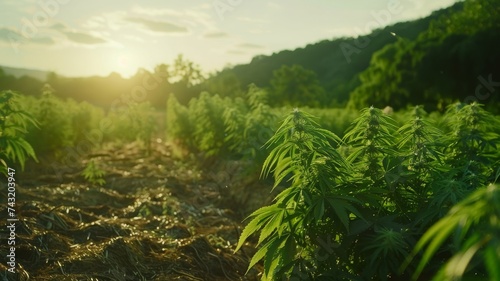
154 219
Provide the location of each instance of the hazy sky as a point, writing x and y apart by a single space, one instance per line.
81 38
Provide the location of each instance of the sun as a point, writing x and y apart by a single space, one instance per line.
124 63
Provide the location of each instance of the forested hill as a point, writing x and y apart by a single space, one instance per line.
337 62
450 56
456 58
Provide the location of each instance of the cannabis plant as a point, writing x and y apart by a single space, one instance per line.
93 173
178 125
314 206
249 125
381 236
136 123
374 193
13 126
372 139
208 126
470 150
474 228
54 130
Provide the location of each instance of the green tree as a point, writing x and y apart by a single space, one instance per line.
296 86
445 63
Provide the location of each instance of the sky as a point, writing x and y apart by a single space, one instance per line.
84 38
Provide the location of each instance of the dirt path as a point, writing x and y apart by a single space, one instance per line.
152 220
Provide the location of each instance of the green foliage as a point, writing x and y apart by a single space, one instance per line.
208 127
336 62
224 83
251 127
294 85
54 131
199 126
213 126
469 155
13 126
178 125
375 192
316 203
93 173
474 226
61 124
473 144
336 120
451 60
136 122
420 145
372 138
186 72
83 117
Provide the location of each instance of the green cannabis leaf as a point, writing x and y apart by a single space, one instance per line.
93 173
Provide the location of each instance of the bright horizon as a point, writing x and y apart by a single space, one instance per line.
96 38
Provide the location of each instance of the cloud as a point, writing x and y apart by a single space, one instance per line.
10 35
156 21
249 46
58 26
76 36
83 38
158 26
189 17
216 34
43 40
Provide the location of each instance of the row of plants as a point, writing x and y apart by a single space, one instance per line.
364 206
66 123
212 125
58 131
209 124
215 127
354 207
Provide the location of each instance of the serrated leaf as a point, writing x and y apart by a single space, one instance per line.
258 221
340 211
271 226
273 258
319 209
258 256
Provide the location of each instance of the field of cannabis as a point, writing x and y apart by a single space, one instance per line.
140 194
